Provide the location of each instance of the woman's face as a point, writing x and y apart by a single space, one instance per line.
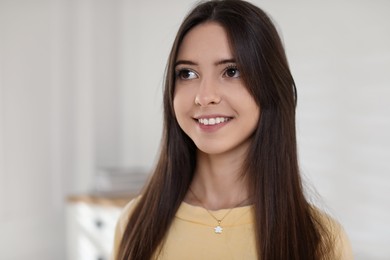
211 102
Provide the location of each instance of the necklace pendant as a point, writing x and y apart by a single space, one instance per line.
218 229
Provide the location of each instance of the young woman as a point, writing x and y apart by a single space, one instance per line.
227 184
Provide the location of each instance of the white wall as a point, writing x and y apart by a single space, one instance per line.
59 115
80 87
340 56
31 178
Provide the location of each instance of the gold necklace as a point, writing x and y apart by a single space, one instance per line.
218 228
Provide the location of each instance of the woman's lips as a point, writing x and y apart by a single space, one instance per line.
213 120
212 123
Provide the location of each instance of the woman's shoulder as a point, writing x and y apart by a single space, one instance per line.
122 223
126 212
342 246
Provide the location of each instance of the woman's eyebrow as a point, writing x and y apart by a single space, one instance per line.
217 63
185 62
224 61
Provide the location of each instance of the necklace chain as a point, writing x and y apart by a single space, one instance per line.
217 229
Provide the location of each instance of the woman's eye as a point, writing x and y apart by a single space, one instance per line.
186 74
232 72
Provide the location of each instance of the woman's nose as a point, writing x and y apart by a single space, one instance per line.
208 93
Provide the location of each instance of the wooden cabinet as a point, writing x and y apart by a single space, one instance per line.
91 223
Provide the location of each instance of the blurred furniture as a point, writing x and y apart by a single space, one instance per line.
91 222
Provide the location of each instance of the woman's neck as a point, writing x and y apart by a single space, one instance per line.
218 182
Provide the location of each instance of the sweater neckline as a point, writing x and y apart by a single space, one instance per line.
197 214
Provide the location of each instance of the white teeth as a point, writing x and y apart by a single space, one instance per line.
212 121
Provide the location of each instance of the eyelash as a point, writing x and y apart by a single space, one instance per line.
232 67
178 73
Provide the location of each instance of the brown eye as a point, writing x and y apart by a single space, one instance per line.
232 72
186 74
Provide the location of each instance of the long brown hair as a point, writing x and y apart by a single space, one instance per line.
286 226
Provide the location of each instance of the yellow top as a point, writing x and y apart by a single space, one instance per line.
192 235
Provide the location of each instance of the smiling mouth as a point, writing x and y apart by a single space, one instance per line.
213 121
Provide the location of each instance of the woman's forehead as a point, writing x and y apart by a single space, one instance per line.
205 41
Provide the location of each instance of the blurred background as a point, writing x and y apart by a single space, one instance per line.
80 91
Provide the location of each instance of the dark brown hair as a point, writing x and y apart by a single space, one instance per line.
286 225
